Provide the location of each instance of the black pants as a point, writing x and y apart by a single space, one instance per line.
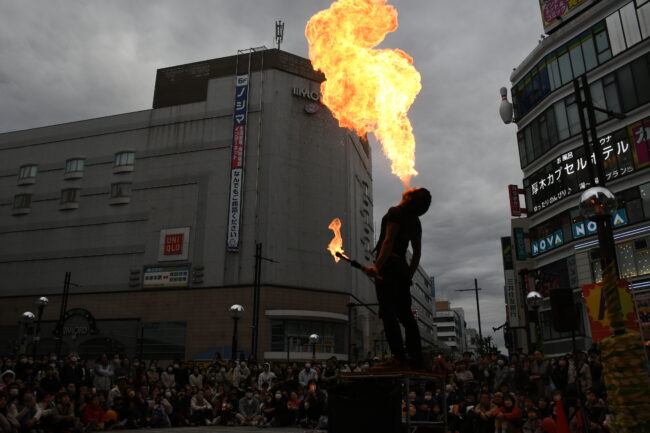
394 297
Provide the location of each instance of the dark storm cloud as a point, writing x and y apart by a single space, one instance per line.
68 60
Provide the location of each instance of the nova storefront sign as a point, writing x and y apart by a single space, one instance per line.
547 243
588 228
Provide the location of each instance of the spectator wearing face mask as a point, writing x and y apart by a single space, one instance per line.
266 376
249 409
307 374
168 378
152 375
103 374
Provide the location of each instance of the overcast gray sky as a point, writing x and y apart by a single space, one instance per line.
69 60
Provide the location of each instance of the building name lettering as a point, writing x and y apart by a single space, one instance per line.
312 95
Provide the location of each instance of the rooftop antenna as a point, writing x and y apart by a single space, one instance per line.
279 32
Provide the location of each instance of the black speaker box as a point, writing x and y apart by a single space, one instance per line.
371 405
563 310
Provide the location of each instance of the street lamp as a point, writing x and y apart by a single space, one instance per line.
236 312
313 339
26 319
534 301
599 204
42 303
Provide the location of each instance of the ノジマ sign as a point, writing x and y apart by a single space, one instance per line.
237 163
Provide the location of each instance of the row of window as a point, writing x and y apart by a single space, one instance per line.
23 201
632 258
620 31
621 91
76 166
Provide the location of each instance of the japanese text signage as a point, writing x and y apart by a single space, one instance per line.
520 243
515 205
569 173
167 276
640 134
547 243
237 163
588 228
555 11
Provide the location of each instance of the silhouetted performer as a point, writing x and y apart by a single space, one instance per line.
399 227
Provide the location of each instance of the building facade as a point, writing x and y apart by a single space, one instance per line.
553 246
451 326
220 194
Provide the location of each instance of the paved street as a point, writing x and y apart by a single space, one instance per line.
214 429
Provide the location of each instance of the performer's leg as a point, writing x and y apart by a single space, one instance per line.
386 299
405 315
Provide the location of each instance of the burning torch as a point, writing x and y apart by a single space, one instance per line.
336 247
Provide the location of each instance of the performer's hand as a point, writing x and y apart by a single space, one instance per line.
371 271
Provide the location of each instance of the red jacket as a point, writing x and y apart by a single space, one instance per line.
93 413
513 415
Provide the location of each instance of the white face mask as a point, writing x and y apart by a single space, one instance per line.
168 394
278 396
13 391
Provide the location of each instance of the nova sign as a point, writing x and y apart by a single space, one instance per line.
588 228
547 243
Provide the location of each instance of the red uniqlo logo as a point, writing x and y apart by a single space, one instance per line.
173 244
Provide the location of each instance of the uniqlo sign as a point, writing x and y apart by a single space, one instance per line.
173 244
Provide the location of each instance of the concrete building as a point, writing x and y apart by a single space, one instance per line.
450 326
553 246
158 215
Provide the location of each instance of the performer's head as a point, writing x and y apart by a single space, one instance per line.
416 200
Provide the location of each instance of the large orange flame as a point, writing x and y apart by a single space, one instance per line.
367 89
336 245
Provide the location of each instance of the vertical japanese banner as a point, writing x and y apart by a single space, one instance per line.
599 320
638 133
237 162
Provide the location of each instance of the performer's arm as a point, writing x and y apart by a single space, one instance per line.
416 244
385 249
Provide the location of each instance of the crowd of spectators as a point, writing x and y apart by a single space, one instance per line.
522 394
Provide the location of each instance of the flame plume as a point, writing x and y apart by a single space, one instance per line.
336 245
366 89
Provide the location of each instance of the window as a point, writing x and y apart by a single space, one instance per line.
22 201
74 165
69 199
615 29
124 161
642 256
630 25
626 87
121 190
596 268
626 262
27 174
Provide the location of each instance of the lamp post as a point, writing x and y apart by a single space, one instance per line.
599 204
25 320
313 339
534 301
236 312
42 303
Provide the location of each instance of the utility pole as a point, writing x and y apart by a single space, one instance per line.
478 310
256 296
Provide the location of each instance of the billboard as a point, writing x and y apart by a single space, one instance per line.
554 12
173 244
166 276
237 162
569 173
